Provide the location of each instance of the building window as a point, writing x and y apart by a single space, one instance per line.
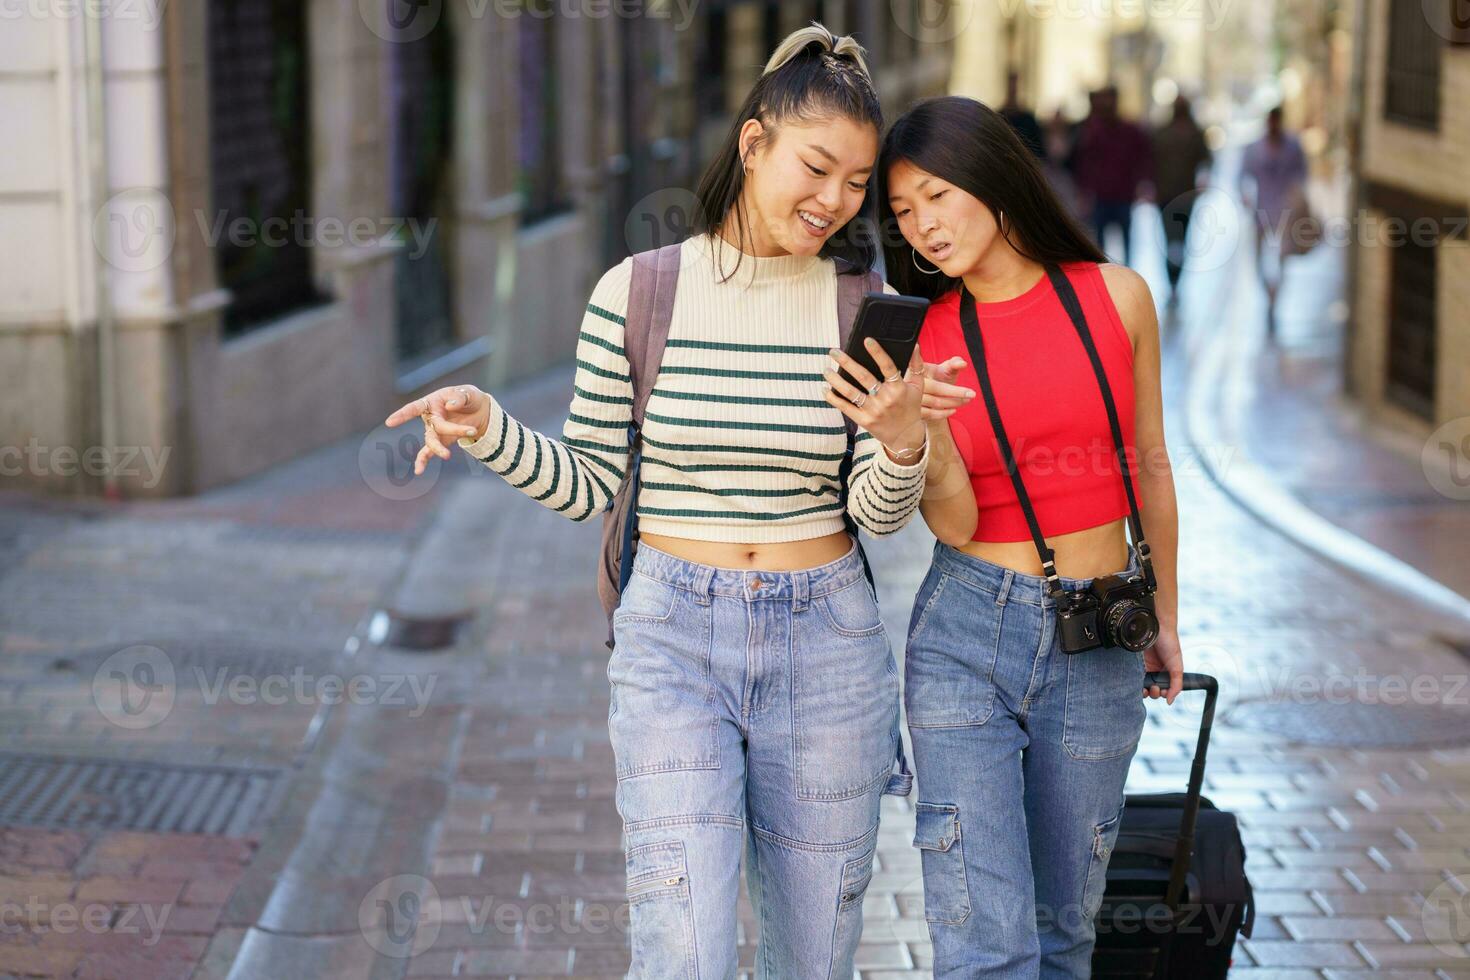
1411 81
260 167
540 178
709 71
1413 328
423 99
771 34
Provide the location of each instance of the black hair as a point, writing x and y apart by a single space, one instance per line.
811 76
970 145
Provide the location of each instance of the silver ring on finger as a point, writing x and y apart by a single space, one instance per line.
874 390
896 377
858 401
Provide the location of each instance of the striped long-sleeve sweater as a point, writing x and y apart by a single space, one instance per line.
738 443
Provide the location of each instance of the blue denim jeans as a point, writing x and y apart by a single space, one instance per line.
1021 752
753 713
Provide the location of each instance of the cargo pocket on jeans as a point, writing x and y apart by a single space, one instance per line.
1104 836
661 916
661 716
1104 712
937 835
856 874
844 703
949 663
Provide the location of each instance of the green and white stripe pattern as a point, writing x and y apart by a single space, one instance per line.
738 444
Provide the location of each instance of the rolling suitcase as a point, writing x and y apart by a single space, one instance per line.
1176 895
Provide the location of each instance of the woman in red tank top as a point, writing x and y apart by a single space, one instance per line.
1021 749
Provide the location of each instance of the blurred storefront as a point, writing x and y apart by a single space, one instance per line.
1234 60
242 229
1409 355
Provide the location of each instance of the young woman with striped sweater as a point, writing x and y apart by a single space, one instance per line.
754 693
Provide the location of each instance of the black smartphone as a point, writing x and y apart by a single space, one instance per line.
894 321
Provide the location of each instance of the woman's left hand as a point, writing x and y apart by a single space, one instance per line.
888 407
942 397
1165 655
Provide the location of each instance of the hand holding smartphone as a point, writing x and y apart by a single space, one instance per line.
894 321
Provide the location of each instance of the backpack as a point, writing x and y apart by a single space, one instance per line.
646 328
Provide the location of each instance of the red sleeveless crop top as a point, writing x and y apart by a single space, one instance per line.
1049 400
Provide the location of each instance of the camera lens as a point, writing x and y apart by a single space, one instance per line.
1131 626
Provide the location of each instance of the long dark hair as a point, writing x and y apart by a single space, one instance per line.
812 75
971 146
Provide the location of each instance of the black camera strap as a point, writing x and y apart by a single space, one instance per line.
975 341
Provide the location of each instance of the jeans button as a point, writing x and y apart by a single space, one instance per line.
756 583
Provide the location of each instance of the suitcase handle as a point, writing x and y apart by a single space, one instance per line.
1192 682
1184 845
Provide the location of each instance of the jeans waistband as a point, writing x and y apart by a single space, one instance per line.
1007 584
704 580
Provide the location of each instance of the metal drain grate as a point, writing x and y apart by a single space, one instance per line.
104 794
419 633
1356 724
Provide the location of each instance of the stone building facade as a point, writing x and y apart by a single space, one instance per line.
1409 347
234 231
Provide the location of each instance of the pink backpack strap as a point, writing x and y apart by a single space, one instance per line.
650 310
645 334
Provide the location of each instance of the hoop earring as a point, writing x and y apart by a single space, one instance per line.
1002 223
927 272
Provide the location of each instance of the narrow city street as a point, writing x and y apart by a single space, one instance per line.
471 787
273 707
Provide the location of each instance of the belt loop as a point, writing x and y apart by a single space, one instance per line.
1005 587
800 589
703 584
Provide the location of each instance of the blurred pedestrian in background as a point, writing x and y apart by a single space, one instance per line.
1112 160
1057 142
1022 119
1274 168
1179 153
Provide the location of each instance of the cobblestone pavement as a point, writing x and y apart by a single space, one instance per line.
266 578
1358 852
1375 483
